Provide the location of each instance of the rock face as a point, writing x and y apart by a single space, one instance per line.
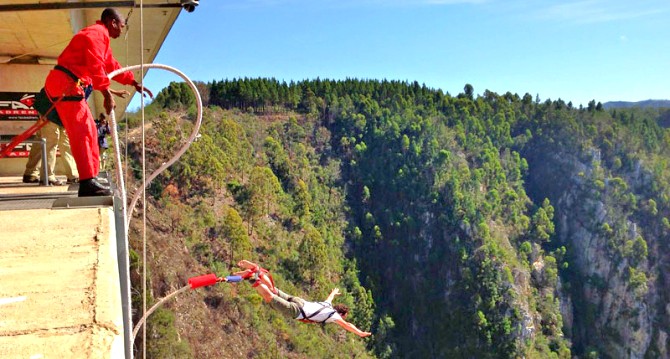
617 291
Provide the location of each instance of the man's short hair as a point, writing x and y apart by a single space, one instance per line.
110 14
341 309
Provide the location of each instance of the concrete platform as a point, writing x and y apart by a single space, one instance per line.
16 195
60 293
16 166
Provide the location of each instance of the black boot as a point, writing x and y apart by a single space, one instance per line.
91 187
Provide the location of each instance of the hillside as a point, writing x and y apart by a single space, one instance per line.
457 226
641 104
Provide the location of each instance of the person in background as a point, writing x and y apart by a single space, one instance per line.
82 67
56 139
103 131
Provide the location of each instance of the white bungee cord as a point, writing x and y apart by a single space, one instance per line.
128 211
140 323
121 189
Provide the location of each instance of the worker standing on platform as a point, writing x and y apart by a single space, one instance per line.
56 139
82 67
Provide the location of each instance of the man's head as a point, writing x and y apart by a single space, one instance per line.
113 22
341 309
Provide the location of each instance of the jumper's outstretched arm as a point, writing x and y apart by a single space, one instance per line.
352 328
333 293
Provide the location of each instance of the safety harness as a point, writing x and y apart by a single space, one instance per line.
255 274
87 88
46 107
307 319
44 103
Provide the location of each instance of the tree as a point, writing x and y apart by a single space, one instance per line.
469 91
232 228
592 106
636 250
313 255
279 161
651 205
263 187
302 199
204 90
366 194
383 346
163 338
176 95
405 143
638 282
542 224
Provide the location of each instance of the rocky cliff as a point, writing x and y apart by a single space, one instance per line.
615 289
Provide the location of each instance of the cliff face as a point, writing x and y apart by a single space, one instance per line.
615 288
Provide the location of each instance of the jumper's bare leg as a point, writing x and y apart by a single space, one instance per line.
247 264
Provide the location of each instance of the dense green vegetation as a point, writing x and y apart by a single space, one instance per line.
437 214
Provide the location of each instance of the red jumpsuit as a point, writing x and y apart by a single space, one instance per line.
90 58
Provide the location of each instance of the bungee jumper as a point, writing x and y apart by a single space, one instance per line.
82 67
296 307
261 279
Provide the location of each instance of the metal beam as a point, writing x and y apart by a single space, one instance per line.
66 5
81 5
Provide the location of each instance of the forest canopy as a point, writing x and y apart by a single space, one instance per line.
452 222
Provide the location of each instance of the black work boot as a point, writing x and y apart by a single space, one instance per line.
91 187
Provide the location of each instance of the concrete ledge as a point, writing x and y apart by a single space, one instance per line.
60 294
81 202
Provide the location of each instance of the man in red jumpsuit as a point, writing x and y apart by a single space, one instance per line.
84 64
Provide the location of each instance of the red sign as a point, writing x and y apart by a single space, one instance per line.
22 150
17 106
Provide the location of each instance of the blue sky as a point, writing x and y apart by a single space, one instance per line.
576 50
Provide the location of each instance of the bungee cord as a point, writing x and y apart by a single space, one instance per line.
144 184
171 161
119 176
193 283
140 323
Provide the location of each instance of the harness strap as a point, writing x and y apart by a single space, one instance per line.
307 319
67 72
290 299
315 313
315 322
253 271
330 315
68 98
75 79
301 312
258 271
